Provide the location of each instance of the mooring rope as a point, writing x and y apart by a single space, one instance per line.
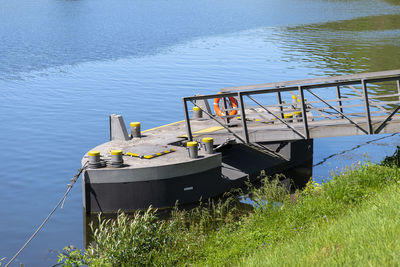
351 149
62 200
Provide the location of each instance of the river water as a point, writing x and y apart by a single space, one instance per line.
66 65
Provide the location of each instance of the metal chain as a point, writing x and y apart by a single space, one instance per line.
62 200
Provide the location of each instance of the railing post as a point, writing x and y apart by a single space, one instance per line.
367 112
225 106
303 112
398 87
278 94
338 95
187 119
243 115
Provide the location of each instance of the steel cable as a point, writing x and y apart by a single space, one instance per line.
73 181
351 149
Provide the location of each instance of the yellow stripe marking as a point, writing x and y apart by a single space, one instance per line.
206 130
210 130
163 126
151 155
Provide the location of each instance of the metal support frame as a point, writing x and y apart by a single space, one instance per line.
243 115
372 102
225 107
254 146
278 94
332 107
284 122
367 112
263 149
338 95
187 120
307 85
386 120
109 126
220 123
383 124
398 87
303 112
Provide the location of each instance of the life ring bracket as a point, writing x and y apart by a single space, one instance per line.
232 103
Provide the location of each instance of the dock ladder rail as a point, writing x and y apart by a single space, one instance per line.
365 103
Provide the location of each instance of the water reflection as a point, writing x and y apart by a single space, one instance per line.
369 23
43 34
343 47
393 2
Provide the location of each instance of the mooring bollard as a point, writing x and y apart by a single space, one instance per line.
208 145
299 100
298 116
294 101
197 113
288 117
135 129
94 159
116 158
193 149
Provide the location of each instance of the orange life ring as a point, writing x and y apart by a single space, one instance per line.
232 104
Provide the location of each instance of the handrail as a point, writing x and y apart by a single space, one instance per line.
299 87
358 76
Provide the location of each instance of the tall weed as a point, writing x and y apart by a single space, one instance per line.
393 160
144 239
218 233
271 193
139 241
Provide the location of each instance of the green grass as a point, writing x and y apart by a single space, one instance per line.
368 235
329 224
267 228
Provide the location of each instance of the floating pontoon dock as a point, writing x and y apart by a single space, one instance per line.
266 127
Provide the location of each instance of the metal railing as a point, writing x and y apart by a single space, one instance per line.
344 99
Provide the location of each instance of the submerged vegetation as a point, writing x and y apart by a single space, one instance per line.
322 224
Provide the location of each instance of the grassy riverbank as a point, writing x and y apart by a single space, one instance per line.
352 219
367 235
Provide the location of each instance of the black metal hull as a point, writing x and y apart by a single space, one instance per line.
111 197
129 196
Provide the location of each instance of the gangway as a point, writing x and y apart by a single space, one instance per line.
360 104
